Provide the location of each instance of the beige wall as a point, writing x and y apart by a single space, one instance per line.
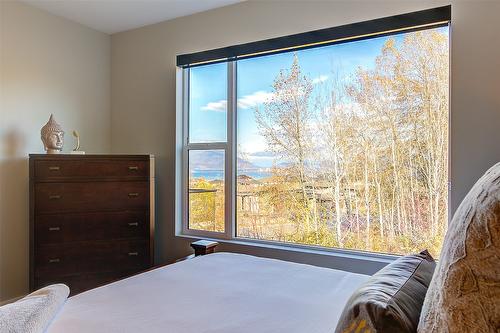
47 65
143 90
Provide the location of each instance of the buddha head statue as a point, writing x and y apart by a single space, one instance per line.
52 136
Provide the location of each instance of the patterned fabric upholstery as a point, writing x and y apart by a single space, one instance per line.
464 295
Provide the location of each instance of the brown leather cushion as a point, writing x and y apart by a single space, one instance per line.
391 300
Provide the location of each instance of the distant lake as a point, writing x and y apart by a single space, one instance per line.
219 174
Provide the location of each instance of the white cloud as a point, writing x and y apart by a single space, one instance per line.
220 106
250 101
319 79
245 102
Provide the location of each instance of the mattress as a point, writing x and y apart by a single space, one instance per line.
221 292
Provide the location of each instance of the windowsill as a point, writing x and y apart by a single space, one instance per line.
377 259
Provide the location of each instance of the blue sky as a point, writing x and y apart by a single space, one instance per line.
255 78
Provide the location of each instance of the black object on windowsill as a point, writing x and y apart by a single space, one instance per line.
203 247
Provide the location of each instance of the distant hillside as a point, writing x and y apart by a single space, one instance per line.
212 160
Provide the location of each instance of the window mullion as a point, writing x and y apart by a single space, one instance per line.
207 146
185 142
230 149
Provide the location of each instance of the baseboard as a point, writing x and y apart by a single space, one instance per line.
10 300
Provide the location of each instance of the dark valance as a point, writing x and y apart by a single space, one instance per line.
419 20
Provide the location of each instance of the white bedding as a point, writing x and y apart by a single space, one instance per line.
222 292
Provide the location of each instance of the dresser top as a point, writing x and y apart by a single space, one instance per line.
88 156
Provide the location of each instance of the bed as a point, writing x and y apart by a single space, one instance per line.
221 292
226 292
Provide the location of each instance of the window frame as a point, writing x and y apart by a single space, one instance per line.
183 146
229 152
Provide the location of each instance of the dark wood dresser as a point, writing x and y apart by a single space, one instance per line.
91 218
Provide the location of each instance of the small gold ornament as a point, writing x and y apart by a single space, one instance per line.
77 137
77 150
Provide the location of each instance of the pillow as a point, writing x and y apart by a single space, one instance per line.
33 313
464 295
391 300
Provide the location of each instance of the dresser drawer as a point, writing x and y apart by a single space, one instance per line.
76 227
59 169
88 197
91 257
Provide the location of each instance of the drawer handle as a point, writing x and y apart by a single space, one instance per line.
133 224
53 261
54 168
133 195
54 228
133 168
54 197
133 254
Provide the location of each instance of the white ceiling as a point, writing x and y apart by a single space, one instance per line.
112 16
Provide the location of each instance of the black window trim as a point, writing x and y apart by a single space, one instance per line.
424 19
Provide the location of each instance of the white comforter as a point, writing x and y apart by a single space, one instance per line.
222 292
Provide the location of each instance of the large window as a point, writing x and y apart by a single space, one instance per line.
339 146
